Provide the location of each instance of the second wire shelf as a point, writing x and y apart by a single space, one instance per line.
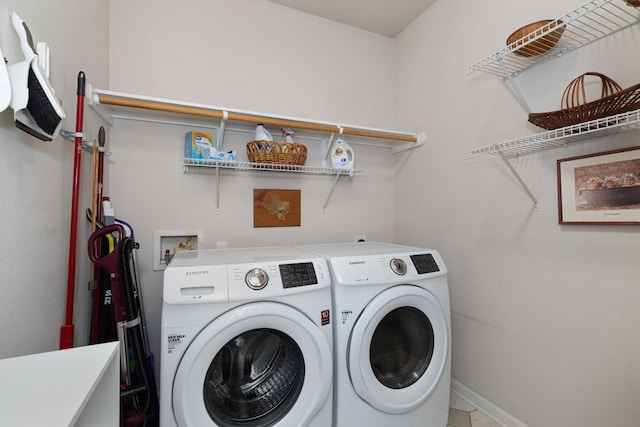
269 167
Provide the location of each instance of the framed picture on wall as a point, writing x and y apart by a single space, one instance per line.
276 208
601 188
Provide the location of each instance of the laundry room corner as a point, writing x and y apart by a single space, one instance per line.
37 179
525 289
418 213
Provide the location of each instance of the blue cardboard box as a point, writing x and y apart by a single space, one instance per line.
197 145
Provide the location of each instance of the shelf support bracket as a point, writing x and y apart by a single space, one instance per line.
326 148
94 103
514 85
421 138
520 180
217 190
333 187
219 145
220 130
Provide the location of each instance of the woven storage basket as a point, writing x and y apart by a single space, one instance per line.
278 152
539 46
576 109
634 3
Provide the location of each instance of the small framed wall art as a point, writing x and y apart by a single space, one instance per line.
601 188
276 208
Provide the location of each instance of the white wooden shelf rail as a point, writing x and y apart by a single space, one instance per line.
116 105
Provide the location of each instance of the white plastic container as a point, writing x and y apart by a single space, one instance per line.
262 134
342 156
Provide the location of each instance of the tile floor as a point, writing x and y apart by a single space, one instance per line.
464 414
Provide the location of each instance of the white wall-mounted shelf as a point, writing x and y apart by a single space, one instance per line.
592 21
589 22
216 166
116 105
266 167
623 122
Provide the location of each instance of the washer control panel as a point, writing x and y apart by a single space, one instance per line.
248 281
299 274
387 268
207 276
425 263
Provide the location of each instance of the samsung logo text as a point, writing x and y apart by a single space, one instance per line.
197 273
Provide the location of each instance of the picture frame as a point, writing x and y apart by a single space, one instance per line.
600 189
276 208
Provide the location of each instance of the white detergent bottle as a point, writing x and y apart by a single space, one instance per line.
262 134
342 156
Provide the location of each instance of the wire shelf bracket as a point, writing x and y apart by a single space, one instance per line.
217 166
515 173
619 123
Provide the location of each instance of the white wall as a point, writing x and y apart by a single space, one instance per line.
36 180
544 316
252 55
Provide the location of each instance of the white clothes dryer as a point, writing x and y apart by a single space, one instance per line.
246 339
392 358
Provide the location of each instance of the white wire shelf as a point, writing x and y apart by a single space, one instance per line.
561 137
267 167
591 21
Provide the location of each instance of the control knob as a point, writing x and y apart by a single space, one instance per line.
398 266
256 278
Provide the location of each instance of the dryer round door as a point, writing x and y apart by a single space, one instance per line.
398 349
260 364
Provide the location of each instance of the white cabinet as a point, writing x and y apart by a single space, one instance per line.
74 387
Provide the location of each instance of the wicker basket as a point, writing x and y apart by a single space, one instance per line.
539 46
576 109
278 152
633 3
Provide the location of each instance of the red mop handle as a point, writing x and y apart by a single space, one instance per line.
66 331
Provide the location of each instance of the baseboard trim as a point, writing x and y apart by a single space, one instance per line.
485 406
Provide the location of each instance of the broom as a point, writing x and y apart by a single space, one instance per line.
36 109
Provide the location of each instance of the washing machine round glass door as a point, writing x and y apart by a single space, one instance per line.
398 349
260 364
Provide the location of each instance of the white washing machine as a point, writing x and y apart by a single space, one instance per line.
246 339
392 358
